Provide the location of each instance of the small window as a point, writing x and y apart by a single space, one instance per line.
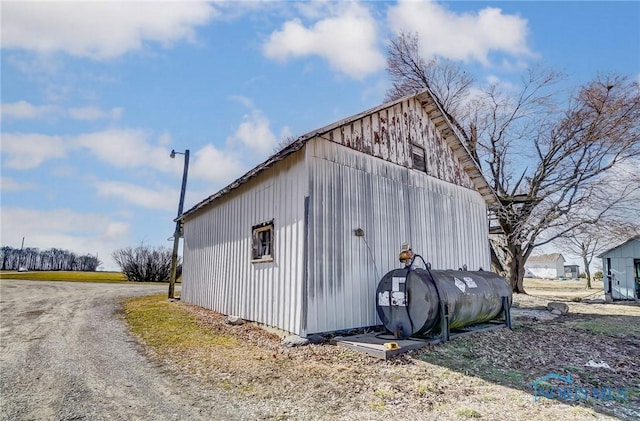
262 242
417 156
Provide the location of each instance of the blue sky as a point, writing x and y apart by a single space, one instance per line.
96 94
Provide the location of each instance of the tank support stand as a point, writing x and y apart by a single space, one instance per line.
445 331
444 321
506 308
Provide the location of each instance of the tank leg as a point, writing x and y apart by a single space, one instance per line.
444 321
507 311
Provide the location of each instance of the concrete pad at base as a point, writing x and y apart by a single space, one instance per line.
374 344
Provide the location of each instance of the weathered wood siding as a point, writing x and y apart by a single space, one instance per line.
445 223
218 273
389 133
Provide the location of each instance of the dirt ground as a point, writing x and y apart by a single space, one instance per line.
66 354
487 375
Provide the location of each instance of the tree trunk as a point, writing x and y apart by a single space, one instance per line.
587 272
515 271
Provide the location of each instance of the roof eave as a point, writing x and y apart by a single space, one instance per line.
634 238
453 136
429 101
279 156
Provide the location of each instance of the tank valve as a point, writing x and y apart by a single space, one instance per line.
398 332
391 346
406 254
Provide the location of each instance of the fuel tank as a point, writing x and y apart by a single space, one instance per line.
410 302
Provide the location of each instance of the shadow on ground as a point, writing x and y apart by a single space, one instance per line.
599 352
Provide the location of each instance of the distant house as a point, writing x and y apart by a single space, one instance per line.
572 271
301 241
622 270
548 266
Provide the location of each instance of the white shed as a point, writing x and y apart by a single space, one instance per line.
547 266
622 270
301 241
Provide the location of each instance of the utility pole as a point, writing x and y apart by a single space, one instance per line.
21 255
178 231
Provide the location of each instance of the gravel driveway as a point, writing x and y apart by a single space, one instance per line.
65 353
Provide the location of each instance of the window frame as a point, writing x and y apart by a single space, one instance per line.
421 152
256 230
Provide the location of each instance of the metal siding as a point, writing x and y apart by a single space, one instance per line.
218 273
622 267
348 190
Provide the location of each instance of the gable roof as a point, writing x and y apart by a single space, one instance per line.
447 126
545 258
630 240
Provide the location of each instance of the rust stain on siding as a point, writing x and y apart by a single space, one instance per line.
390 133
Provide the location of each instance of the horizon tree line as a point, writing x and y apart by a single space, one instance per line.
53 259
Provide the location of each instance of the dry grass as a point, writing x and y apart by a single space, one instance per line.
563 290
169 329
487 375
67 276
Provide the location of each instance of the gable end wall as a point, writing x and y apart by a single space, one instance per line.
389 133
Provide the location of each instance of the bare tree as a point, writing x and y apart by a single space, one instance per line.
9 257
565 186
144 264
591 240
283 143
620 222
410 73
546 159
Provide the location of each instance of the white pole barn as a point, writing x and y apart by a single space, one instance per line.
300 242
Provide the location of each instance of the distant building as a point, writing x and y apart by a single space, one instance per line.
622 270
548 266
572 271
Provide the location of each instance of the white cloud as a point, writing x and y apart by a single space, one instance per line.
127 148
116 230
25 110
64 171
347 40
254 132
215 166
122 148
503 85
165 139
26 150
467 36
10 185
315 10
94 113
99 30
162 198
137 149
132 149
247 102
82 233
